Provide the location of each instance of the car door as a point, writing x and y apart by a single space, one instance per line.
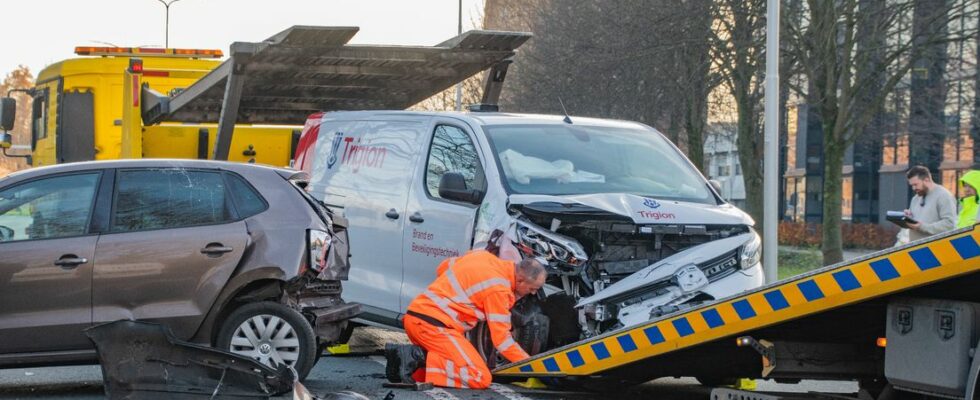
173 242
439 228
46 253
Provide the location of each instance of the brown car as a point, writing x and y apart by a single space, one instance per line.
233 255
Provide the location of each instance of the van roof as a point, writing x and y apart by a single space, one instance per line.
492 118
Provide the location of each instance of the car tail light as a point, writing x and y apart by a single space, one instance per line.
319 245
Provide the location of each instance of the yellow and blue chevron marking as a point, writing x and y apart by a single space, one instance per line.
879 274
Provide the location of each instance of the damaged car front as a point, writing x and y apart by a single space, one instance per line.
628 228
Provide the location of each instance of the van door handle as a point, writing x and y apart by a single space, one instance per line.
392 214
416 217
69 261
215 249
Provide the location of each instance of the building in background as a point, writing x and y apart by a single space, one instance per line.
804 171
721 162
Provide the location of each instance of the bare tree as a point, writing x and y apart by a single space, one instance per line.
20 78
446 99
632 59
738 52
692 65
849 82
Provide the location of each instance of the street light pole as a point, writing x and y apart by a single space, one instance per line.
166 37
771 168
459 86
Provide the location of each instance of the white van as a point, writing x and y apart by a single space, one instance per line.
629 228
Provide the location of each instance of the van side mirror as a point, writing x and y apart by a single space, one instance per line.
715 185
452 186
8 109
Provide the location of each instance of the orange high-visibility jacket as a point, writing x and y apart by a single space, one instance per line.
474 287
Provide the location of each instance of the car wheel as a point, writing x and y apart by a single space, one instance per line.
271 334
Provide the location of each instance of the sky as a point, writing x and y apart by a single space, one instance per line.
42 32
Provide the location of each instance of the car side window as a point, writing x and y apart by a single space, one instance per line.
46 208
247 200
452 151
168 198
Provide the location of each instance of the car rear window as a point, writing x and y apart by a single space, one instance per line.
168 198
248 201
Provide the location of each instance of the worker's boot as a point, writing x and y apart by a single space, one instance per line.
392 362
402 361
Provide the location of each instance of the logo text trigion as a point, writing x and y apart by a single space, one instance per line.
358 155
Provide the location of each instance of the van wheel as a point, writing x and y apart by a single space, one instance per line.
271 334
479 337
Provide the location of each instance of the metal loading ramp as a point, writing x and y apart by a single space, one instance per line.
307 69
820 325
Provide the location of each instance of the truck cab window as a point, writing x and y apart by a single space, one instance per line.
39 118
453 151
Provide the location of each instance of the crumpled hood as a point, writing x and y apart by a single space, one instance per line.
646 210
668 266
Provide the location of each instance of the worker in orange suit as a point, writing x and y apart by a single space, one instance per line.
468 289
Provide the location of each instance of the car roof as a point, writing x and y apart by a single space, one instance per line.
492 118
145 163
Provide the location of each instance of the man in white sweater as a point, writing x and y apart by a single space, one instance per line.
933 207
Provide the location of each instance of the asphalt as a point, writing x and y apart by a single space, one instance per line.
362 371
364 374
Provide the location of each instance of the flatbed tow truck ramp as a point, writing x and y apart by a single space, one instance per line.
827 324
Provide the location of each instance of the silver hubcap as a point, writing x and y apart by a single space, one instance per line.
268 339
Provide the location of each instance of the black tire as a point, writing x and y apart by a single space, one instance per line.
532 337
480 339
301 335
347 333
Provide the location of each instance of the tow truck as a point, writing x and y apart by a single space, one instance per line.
902 319
122 102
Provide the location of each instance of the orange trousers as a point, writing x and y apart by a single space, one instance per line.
451 361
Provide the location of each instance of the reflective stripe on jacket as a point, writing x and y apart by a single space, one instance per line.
476 286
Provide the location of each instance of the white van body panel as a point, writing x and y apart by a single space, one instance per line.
370 173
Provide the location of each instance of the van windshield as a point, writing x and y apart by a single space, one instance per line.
573 159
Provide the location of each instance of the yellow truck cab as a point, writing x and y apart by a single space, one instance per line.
87 108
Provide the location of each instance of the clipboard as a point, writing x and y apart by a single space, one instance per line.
899 218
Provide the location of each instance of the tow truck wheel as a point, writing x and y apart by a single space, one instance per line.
271 334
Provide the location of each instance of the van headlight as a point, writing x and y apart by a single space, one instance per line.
319 245
751 252
533 241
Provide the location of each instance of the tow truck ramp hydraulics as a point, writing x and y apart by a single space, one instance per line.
827 324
